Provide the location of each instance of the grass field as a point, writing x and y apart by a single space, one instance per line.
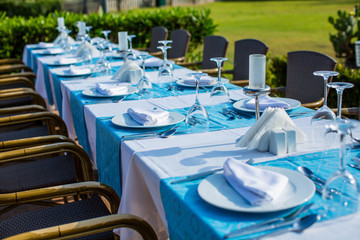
283 25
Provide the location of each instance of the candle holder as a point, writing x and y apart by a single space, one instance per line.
257 93
124 53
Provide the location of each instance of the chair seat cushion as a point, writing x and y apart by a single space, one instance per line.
58 215
39 173
24 133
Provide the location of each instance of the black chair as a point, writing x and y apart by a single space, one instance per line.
244 48
86 218
179 46
214 46
301 84
157 34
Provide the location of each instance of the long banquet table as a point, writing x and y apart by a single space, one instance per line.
141 170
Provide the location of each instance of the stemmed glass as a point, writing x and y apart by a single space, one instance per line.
197 118
324 113
144 86
340 87
87 35
165 63
219 93
102 65
341 191
131 55
65 43
107 42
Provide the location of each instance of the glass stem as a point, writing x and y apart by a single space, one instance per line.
197 91
339 102
143 66
325 90
165 55
342 152
130 45
219 72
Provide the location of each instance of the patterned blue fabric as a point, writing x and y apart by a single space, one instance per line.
190 217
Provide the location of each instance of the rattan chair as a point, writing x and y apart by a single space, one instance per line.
16 82
214 46
71 220
301 84
244 48
157 34
14 68
8 61
179 46
20 96
30 75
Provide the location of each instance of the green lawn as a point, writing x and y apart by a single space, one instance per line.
283 25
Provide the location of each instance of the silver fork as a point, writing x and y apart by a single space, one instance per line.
205 174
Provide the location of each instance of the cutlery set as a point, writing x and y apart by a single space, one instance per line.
115 100
356 159
164 134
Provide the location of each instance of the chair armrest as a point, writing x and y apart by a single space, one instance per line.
241 83
278 89
351 111
33 141
33 117
141 49
14 68
62 191
191 64
21 109
91 226
212 72
14 80
14 93
227 72
178 60
29 75
83 164
314 105
156 54
7 61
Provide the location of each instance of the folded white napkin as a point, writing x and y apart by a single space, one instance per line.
153 62
86 46
256 185
108 89
59 38
53 50
79 70
148 117
266 102
206 80
68 60
271 118
46 45
128 72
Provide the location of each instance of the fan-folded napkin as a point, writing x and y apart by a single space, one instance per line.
86 46
266 102
207 80
129 72
270 119
79 70
256 185
148 117
108 89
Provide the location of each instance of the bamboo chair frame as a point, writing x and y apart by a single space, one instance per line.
22 109
14 68
17 80
7 61
30 75
14 93
51 118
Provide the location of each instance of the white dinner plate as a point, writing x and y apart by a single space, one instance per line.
124 120
55 62
91 92
65 72
181 83
216 191
50 51
240 105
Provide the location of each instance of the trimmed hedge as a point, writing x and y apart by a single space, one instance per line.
18 31
29 8
276 76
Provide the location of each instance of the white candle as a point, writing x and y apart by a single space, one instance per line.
81 26
123 41
61 22
257 69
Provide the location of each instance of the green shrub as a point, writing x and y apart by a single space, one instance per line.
29 8
18 31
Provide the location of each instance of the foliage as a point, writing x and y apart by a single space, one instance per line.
29 8
18 31
347 26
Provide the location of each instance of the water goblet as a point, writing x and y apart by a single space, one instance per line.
197 118
340 87
131 55
219 93
102 65
144 86
87 35
341 191
165 42
166 64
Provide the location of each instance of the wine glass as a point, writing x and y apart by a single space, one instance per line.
341 191
65 43
219 93
340 87
87 35
144 86
197 118
324 113
131 55
102 65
